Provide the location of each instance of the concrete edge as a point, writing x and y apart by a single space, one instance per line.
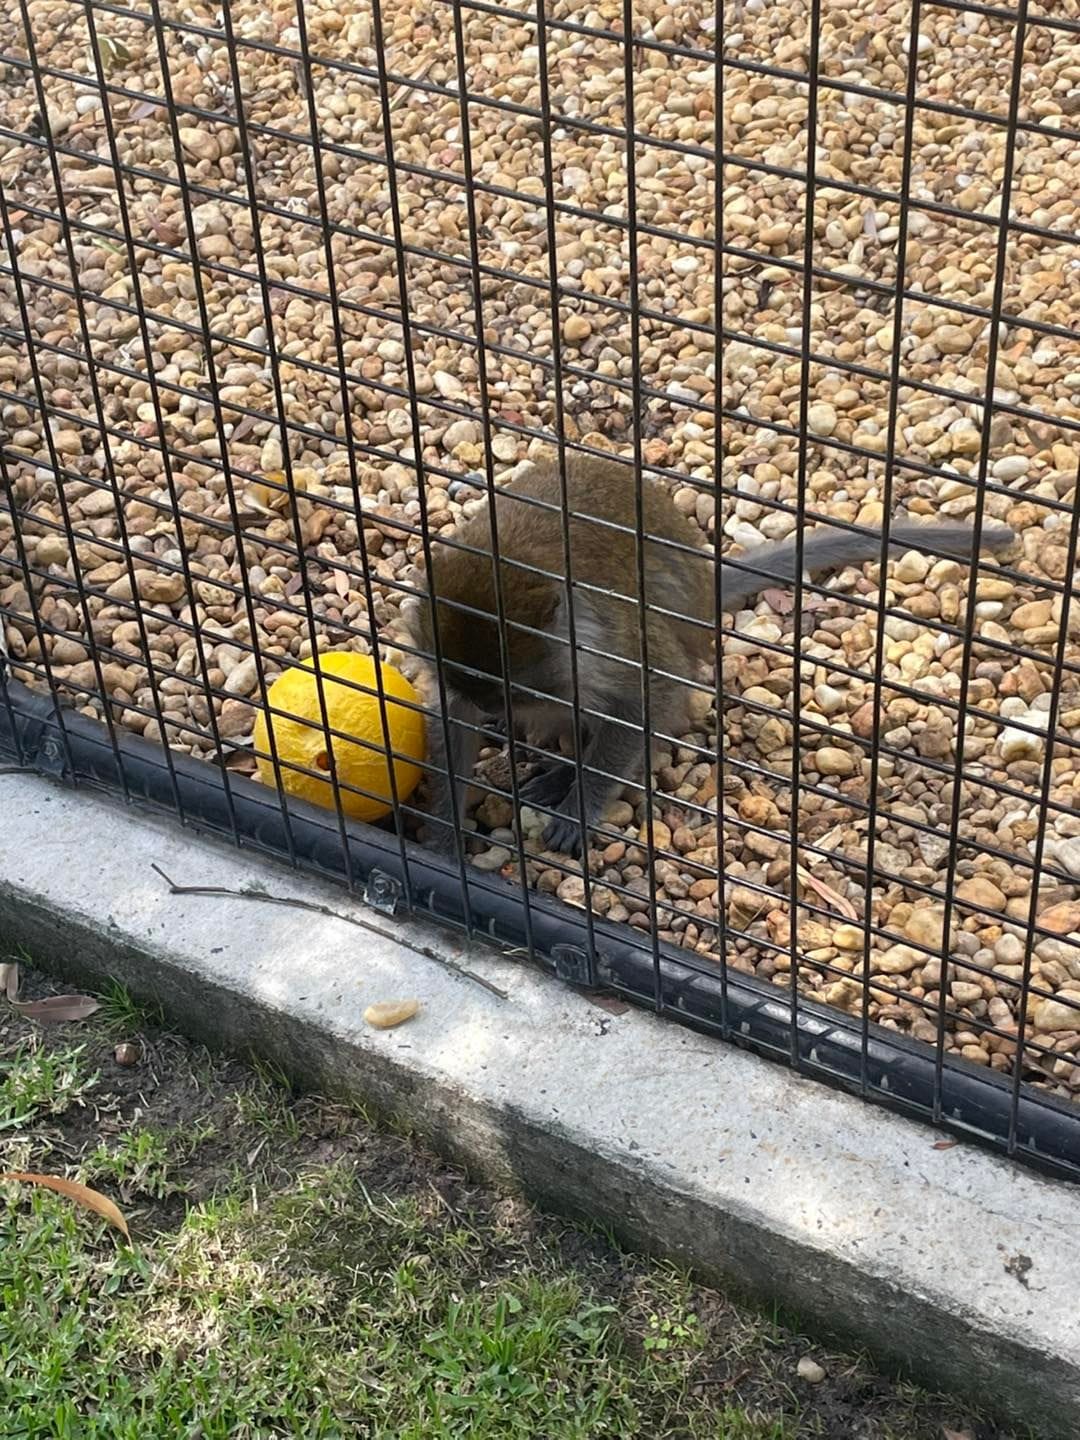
954 1266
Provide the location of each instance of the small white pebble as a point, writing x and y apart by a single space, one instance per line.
810 1371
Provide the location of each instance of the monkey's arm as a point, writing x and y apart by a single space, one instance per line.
826 548
451 774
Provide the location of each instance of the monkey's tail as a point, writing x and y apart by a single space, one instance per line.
827 548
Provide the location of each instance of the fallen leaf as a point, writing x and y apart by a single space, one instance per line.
828 894
113 52
782 601
315 525
81 1194
55 1009
944 1144
167 234
611 1003
9 979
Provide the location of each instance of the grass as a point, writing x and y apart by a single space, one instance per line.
295 1272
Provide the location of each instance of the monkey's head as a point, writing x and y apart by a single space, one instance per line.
467 613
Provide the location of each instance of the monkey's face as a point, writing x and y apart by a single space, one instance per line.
476 672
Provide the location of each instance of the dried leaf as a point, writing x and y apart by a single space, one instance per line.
782 601
166 233
277 493
828 894
315 525
611 1003
341 583
9 979
403 92
81 1194
258 497
707 791
143 108
112 52
945 1144
55 1009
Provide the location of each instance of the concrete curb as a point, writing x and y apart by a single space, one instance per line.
953 1264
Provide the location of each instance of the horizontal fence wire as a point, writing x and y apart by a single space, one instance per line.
482 449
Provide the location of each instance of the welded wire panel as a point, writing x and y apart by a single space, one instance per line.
485 445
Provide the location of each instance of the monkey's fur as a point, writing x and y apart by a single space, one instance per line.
679 590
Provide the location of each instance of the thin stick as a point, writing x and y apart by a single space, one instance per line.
319 909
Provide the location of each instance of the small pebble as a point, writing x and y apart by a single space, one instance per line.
810 1371
493 859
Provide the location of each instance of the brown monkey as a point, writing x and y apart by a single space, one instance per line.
680 599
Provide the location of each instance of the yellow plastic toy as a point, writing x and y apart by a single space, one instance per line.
300 739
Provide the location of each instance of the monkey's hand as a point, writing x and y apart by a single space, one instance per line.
550 785
563 833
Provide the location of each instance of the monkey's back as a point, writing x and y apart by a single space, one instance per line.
679 578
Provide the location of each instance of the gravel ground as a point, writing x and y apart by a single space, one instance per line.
214 507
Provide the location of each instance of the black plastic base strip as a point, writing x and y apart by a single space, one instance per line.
899 1072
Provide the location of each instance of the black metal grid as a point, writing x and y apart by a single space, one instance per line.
63 379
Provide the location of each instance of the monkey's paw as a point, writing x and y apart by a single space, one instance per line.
562 833
549 786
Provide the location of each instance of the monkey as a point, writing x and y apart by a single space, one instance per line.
680 593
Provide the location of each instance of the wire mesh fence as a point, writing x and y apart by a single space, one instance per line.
661 426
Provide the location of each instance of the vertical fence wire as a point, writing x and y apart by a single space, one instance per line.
24 569
561 460
805 385
886 525
1038 855
274 359
401 258
719 699
106 443
994 344
337 319
497 568
58 472
642 588
206 337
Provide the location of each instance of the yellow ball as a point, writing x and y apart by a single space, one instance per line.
300 739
